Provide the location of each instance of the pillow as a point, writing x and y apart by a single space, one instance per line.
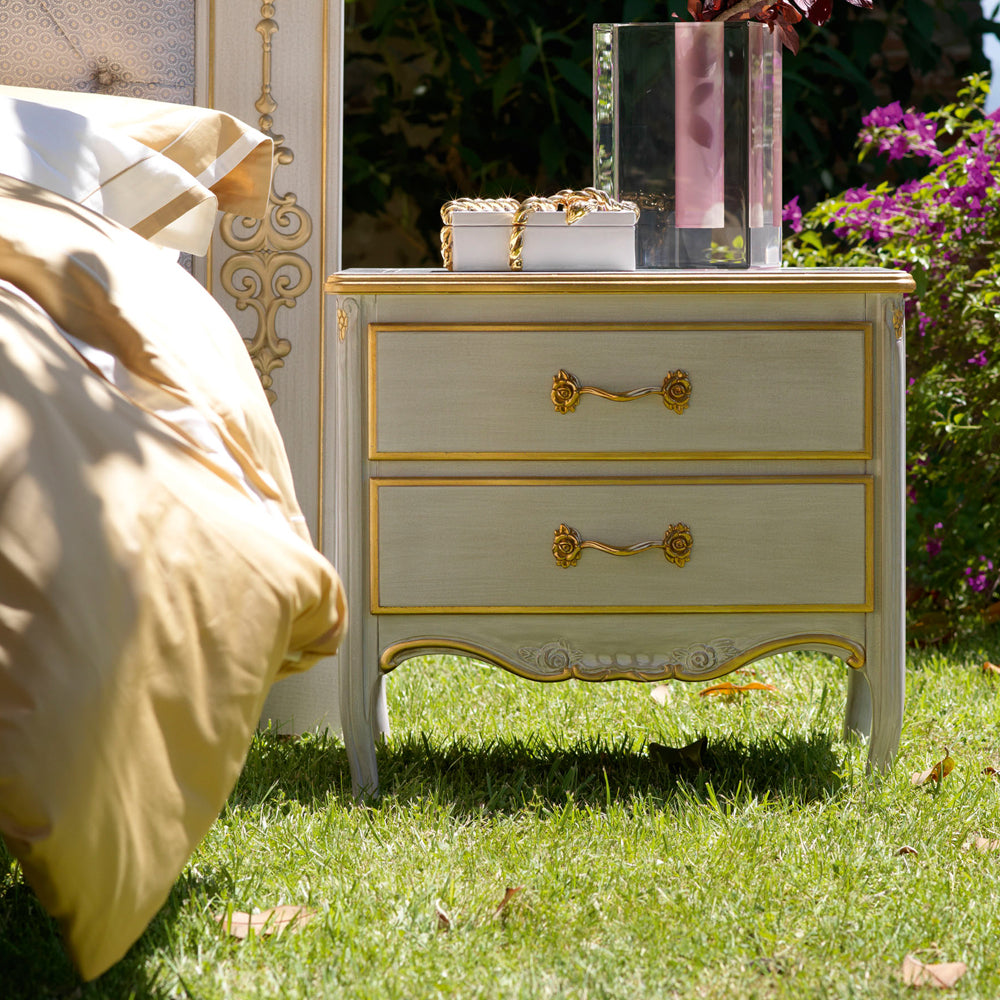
163 170
227 156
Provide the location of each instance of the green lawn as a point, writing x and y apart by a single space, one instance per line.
773 870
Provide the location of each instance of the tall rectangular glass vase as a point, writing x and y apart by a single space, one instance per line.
687 124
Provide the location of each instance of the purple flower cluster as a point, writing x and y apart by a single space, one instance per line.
978 578
934 544
899 133
792 214
960 178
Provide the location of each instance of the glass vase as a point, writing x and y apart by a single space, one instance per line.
687 124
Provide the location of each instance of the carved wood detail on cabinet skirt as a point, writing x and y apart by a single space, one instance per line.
560 659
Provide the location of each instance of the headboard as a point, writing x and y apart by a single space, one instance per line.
277 66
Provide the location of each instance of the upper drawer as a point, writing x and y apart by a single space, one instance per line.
781 390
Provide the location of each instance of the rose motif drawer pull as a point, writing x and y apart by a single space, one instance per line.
567 545
566 391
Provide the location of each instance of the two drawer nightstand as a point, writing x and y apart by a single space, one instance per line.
658 474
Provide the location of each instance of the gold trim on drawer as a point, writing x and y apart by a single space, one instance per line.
566 667
676 388
376 607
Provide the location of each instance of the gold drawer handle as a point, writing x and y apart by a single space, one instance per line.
567 546
566 391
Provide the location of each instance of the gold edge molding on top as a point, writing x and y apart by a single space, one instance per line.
865 327
804 281
396 653
374 586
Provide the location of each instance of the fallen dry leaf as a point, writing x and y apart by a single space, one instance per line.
984 844
659 693
990 668
730 690
943 975
511 892
444 921
990 771
906 849
935 774
278 918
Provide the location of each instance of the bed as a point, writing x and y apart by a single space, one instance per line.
156 573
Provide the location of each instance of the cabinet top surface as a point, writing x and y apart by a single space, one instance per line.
364 281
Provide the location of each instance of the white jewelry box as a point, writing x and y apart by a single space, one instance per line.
597 241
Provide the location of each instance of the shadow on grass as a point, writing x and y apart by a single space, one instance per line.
507 774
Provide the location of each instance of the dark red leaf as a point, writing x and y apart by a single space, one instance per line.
789 36
817 11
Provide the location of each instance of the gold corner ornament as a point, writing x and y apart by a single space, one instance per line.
574 204
895 309
568 546
266 274
675 390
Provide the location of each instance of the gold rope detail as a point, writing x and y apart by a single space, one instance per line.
468 205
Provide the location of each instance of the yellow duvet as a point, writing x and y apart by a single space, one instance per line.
156 575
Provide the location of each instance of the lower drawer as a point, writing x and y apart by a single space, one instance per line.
621 545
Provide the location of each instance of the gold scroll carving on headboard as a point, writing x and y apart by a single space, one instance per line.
266 274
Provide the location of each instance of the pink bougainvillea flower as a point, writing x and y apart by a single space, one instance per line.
792 214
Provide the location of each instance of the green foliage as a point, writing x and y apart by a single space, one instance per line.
465 98
942 225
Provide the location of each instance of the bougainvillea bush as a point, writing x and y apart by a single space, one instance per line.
938 216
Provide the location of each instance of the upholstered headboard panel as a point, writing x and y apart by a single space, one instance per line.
134 48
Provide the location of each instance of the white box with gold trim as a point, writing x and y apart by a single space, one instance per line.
597 241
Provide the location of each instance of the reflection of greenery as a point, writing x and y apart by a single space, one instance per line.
734 252
449 98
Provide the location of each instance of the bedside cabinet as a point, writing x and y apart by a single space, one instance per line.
641 476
